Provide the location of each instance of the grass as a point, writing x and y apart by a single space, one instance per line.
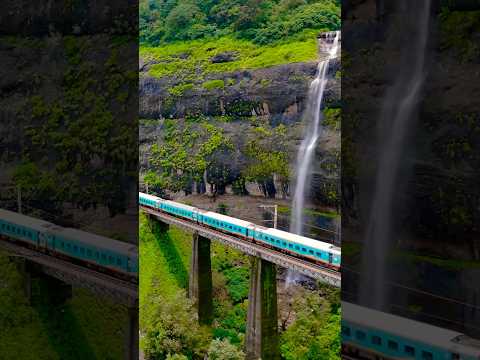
156 263
190 60
69 331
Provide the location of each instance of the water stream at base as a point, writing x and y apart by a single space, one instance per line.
395 122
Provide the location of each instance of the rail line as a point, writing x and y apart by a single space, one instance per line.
318 272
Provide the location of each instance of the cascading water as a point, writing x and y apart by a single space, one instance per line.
307 148
396 120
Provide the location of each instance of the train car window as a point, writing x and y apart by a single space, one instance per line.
297 247
89 252
82 250
284 244
427 355
119 261
304 250
409 350
110 259
376 340
392 345
104 257
68 246
290 246
319 254
62 244
310 251
75 248
345 330
97 255
360 335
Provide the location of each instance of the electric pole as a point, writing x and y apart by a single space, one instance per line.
275 213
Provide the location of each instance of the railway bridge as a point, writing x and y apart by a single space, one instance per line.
60 276
262 322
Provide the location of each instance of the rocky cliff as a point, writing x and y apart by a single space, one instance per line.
274 95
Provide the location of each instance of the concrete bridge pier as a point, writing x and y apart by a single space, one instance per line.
132 334
262 319
156 224
22 268
200 281
58 291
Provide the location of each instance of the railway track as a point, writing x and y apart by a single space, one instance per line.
307 268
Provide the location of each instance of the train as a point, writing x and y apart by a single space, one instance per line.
373 334
319 252
110 256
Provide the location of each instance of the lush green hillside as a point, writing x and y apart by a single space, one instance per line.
262 21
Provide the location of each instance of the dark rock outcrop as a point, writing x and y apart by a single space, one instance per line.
279 92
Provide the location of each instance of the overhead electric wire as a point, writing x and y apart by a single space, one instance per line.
423 292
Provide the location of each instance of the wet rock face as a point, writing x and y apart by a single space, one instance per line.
279 92
39 17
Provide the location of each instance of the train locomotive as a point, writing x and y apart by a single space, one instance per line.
372 334
302 247
101 253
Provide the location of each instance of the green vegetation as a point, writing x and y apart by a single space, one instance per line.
179 90
458 29
192 151
261 21
63 332
77 141
314 334
191 61
213 84
332 118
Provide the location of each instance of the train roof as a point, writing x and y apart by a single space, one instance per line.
20 219
302 240
405 328
96 240
150 197
179 205
230 219
70 233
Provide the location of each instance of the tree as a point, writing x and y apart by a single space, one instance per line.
224 350
315 334
172 328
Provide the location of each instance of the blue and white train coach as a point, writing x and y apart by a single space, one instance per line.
372 334
103 253
296 245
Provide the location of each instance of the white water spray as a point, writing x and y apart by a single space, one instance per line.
396 120
314 131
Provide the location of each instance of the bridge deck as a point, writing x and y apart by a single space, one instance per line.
323 274
76 275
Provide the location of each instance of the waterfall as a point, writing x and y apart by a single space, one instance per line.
306 151
307 148
397 118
